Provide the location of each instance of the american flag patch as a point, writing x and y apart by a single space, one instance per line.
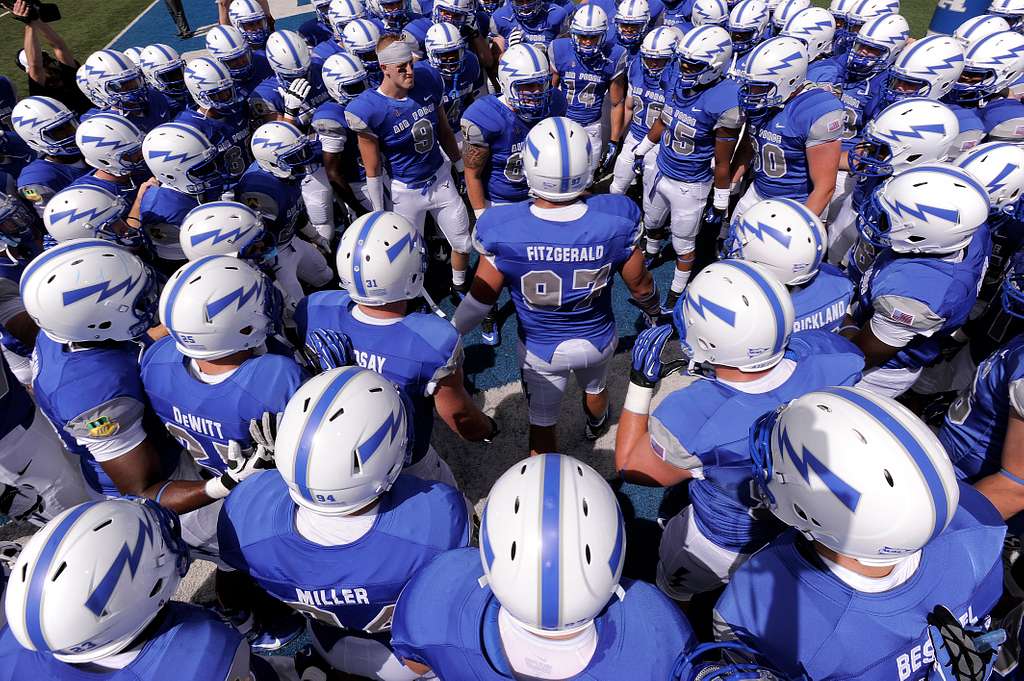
902 317
1019 130
835 125
658 449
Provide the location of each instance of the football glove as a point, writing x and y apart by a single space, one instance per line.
646 368
295 96
327 349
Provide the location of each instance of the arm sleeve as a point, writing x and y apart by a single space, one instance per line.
666 445
111 429
472 133
36 194
357 123
826 128
260 106
331 133
730 118
1017 396
10 301
897 319
447 368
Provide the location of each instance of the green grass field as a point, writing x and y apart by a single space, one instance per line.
88 25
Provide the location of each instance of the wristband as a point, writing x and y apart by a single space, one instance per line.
720 200
638 399
844 329
216 489
734 189
469 314
161 492
375 192
477 212
643 147
1007 474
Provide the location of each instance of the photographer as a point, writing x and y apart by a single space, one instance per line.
49 76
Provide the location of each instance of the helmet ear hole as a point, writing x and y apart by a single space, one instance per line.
586 553
156 587
512 553
888 477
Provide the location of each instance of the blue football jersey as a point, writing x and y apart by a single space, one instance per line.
406 128
260 71
975 425
42 178
17 410
459 90
585 82
268 98
781 139
324 49
158 109
931 295
353 586
230 135
414 352
446 620
539 30
125 191
14 153
490 122
857 95
688 143
827 630
162 211
703 428
677 15
972 129
822 302
279 201
184 642
1003 120
648 97
205 417
314 32
91 394
558 273
336 138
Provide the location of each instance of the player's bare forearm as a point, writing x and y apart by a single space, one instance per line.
447 139
33 54
617 94
474 160
638 280
138 473
483 52
823 164
222 12
636 461
656 131
457 409
876 352
61 50
369 151
487 282
341 187
725 146
22 327
417 667
849 328
741 160
1005 493
181 496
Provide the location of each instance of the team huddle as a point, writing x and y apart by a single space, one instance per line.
222 334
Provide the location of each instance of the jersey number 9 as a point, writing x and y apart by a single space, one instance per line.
543 288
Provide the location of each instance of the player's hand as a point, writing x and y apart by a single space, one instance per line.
295 96
515 37
611 150
962 653
714 218
638 164
242 463
328 349
646 368
458 181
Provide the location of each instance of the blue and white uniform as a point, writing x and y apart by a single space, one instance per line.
260 71
975 425
539 30
677 15
161 212
446 620
267 98
205 417
1003 120
822 302
314 31
158 109
184 642
127 191
558 265
414 352
229 134
647 97
912 303
703 428
346 589
336 138
832 630
459 91
40 179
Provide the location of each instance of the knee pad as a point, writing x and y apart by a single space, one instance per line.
685 246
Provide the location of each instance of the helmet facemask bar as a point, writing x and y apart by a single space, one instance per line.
534 102
630 30
866 59
447 61
146 303
974 85
871 157
873 221
1012 296
172 78
60 134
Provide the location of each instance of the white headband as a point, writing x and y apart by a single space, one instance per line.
398 52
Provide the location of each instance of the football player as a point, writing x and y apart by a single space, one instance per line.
789 241
338 530
294 90
459 71
929 226
91 212
164 71
74 611
381 263
700 122
397 18
793 131
250 19
340 14
588 70
735 322
219 113
646 77
318 28
631 20
112 79
48 128
535 22
248 67
228 228
747 26
112 146
988 73
401 127
877 519
816 27
544 591
1010 10
558 263
474 25
360 39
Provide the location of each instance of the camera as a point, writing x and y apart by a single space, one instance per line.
43 11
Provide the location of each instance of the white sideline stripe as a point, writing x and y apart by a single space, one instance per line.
133 22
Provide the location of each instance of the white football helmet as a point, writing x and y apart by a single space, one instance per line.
164 70
657 52
525 80
928 68
703 55
134 53
632 18
816 27
856 472
991 64
786 10
90 212
865 10
46 125
382 259
341 13
210 83
976 28
284 151
342 441
288 55
180 157
445 48
226 228
999 168
111 143
1010 10
115 79
904 134
552 543
93 578
455 12
772 72
709 12
249 18
736 314
219 305
876 45
587 29
930 208
89 290
783 236
18 223
360 38
556 159
840 9
227 45
344 77
88 88
746 25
